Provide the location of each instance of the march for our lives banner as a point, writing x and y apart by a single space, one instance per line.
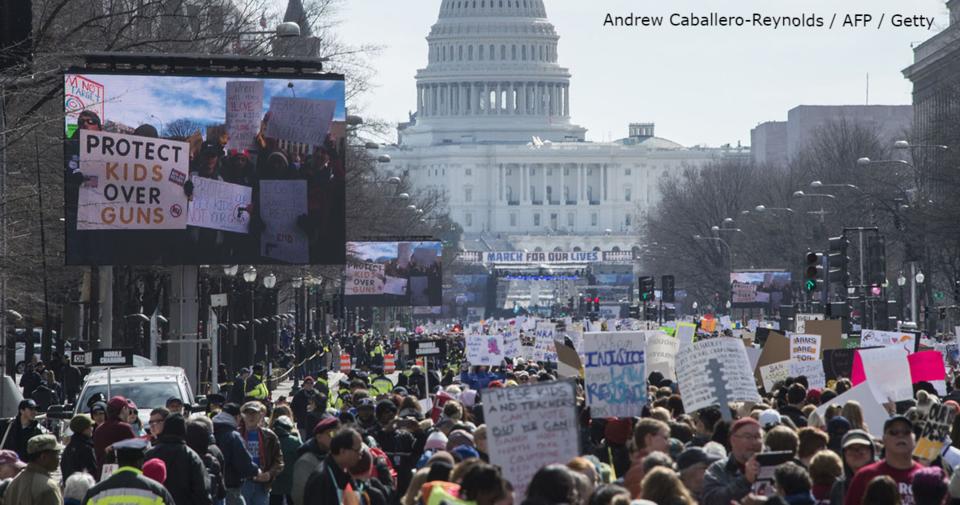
615 373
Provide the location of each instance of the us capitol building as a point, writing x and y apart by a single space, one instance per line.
493 132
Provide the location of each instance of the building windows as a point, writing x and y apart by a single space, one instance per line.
570 219
480 52
468 172
549 194
533 171
627 220
553 221
513 220
493 55
626 171
467 194
509 172
523 52
566 171
468 220
626 194
593 219
536 219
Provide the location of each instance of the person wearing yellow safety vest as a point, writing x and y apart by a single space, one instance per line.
127 484
254 387
381 384
376 355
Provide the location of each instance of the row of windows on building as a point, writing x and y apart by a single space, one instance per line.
461 52
554 220
483 4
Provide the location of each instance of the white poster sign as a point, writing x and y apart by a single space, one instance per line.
774 373
715 372
544 347
220 205
243 113
685 333
132 183
300 120
511 344
662 354
877 338
530 427
804 347
887 371
484 350
874 415
614 373
800 321
812 370
281 203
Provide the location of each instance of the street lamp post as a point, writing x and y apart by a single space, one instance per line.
724 242
250 277
269 282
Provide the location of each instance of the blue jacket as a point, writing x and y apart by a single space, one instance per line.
478 381
238 464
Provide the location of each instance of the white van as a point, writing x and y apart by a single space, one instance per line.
148 386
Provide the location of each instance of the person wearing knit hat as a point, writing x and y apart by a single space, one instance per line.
813 396
732 478
156 469
79 455
188 482
458 438
436 441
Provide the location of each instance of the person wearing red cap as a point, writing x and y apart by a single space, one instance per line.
731 478
114 429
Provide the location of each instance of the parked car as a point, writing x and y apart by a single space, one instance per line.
148 386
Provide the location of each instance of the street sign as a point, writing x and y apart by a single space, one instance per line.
428 348
102 357
938 295
218 300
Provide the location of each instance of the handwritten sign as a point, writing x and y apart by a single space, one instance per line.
800 321
300 120
544 349
614 373
363 278
773 373
511 343
886 370
877 338
219 205
812 370
82 93
281 203
744 292
804 347
530 427
133 183
484 350
243 113
935 432
661 354
715 372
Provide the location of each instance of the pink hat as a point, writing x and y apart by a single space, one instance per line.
741 423
156 469
8 457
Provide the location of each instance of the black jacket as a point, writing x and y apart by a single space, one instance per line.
127 481
399 447
79 456
29 382
327 482
187 478
17 440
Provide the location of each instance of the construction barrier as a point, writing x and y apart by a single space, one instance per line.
345 364
389 364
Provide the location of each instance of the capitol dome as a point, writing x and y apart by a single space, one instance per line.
492 76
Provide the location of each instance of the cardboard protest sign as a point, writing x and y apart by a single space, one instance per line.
775 349
708 324
300 120
661 355
484 350
804 347
364 278
244 111
615 373
935 432
281 203
764 484
886 370
830 331
874 415
927 366
530 427
774 373
800 321
544 348
133 183
715 372
568 361
219 205
877 338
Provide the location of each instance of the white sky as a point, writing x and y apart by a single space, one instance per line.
700 86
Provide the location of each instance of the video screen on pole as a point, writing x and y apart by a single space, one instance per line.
759 289
168 169
384 274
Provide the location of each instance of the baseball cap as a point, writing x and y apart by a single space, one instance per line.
856 437
80 422
896 418
27 404
132 445
308 378
173 399
253 406
41 443
326 423
694 456
8 457
98 407
769 418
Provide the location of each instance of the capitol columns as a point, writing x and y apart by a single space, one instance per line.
511 87
462 90
566 100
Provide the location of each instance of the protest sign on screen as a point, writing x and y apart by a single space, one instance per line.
173 168
759 289
383 274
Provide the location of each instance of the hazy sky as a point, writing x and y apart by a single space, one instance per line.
699 85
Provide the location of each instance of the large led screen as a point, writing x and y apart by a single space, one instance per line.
383 274
199 169
761 289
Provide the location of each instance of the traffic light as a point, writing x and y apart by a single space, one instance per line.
646 288
876 260
650 313
635 312
837 260
669 314
596 304
811 273
956 291
667 289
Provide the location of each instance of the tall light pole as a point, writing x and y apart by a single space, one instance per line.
269 281
250 277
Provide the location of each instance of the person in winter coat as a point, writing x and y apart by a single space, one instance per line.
299 404
36 485
22 428
187 479
114 429
311 454
239 384
128 484
263 446
239 466
30 380
200 439
79 455
330 482
289 444
858 451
